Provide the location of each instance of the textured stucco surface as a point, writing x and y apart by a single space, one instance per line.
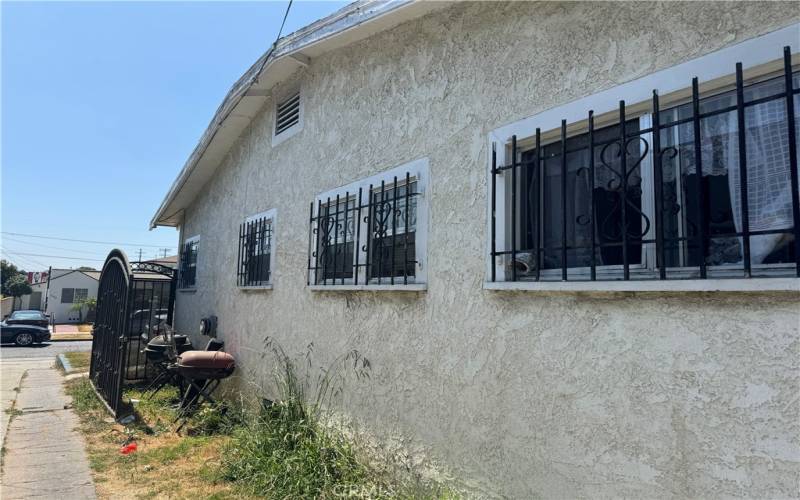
520 394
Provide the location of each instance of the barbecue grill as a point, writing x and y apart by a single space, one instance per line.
160 352
203 371
157 349
205 365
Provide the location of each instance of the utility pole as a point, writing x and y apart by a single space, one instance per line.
140 255
164 250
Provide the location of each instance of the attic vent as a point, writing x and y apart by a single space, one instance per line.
288 114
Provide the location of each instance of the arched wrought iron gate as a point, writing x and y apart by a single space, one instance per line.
109 329
132 299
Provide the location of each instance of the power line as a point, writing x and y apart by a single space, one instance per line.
55 256
23 242
80 241
26 261
285 15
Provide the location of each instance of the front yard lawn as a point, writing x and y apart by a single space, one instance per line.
165 465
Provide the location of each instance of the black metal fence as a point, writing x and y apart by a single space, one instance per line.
255 250
577 208
365 238
151 299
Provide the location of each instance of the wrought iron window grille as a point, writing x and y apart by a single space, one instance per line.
368 237
707 188
188 269
255 252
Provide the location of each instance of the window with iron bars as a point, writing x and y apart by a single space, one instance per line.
255 257
702 188
188 273
370 233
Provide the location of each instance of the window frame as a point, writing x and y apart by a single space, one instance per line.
84 293
271 216
193 286
419 173
761 61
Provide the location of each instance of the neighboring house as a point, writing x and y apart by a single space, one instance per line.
57 293
393 179
169 261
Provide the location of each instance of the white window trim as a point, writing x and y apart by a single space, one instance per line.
420 173
297 127
715 71
193 239
270 215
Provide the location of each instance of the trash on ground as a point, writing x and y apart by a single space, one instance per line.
128 448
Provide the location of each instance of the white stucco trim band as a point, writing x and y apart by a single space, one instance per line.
260 288
708 285
418 287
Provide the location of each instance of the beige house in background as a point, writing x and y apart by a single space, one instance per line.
545 315
57 294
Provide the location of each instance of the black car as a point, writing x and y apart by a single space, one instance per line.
23 335
33 317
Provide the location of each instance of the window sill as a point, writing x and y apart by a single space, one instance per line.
187 290
259 288
708 285
416 287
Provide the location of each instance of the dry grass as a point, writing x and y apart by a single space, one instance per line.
79 360
85 328
164 466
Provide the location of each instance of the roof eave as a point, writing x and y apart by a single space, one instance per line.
246 97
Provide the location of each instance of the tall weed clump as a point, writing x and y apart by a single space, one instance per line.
286 450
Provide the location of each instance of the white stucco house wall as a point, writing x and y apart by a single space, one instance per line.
62 289
397 178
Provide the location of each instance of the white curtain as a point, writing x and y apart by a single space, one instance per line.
768 174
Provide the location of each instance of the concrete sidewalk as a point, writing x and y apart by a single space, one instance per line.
44 454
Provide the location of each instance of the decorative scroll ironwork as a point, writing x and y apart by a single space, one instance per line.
152 267
365 237
613 221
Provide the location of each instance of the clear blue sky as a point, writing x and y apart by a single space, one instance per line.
102 102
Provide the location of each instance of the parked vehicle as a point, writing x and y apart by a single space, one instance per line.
147 321
33 317
22 334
